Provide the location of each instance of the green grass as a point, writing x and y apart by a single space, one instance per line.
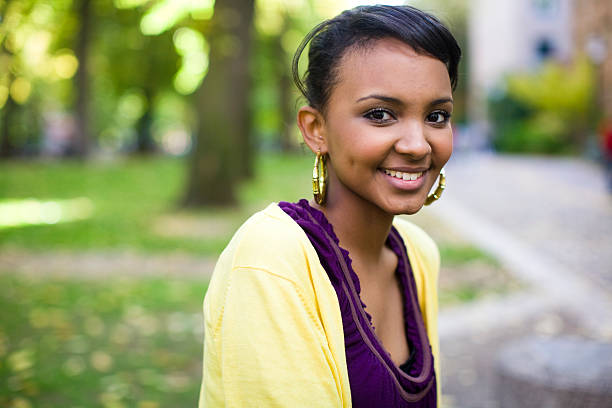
469 274
118 343
462 254
130 195
135 205
462 294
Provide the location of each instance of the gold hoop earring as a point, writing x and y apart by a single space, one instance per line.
319 179
438 193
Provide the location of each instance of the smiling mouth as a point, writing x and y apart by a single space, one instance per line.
403 175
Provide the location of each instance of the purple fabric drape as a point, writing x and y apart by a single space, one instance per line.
375 380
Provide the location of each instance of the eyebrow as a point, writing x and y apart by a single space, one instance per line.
396 101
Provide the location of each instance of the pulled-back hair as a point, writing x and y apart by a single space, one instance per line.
360 27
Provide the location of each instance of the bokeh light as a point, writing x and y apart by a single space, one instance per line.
15 213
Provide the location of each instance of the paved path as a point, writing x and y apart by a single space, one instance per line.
105 264
549 221
560 207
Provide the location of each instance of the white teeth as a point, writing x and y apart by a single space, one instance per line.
403 176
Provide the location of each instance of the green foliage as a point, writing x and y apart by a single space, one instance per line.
548 111
111 343
38 66
146 59
557 89
280 28
26 66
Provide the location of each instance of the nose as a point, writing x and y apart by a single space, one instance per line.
412 141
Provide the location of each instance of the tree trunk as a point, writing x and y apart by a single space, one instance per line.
221 154
144 137
81 143
7 149
284 91
242 83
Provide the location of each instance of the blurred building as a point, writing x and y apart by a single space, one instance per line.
517 35
592 35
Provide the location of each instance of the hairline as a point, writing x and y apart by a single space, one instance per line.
364 45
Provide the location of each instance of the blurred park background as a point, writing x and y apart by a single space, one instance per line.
137 135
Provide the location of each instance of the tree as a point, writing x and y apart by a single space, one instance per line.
81 142
7 55
221 152
280 26
20 111
285 88
137 64
6 143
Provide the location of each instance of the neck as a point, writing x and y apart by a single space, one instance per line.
361 227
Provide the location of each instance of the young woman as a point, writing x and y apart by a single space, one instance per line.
333 302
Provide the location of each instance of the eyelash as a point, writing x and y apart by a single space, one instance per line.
368 115
445 115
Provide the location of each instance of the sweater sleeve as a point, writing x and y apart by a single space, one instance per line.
267 348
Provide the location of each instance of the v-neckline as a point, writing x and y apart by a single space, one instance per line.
353 291
399 276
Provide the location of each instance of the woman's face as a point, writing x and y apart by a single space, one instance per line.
387 127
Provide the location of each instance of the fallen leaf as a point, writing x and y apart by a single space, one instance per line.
101 361
74 365
20 403
21 360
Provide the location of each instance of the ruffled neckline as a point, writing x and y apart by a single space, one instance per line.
302 212
357 322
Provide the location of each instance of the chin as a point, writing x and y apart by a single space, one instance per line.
406 208
409 211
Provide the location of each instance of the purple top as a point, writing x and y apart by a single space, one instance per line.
374 379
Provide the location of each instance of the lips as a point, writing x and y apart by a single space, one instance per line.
406 178
402 175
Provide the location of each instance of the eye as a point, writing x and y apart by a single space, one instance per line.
379 115
439 117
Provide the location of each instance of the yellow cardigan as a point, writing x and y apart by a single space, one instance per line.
273 332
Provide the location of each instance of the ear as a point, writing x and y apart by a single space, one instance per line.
312 125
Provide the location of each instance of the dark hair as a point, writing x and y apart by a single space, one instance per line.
359 27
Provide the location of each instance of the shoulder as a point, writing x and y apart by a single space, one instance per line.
269 239
270 246
418 243
268 260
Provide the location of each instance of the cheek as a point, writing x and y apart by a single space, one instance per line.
356 156
442 147
347 146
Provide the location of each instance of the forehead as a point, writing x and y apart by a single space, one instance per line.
391 67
